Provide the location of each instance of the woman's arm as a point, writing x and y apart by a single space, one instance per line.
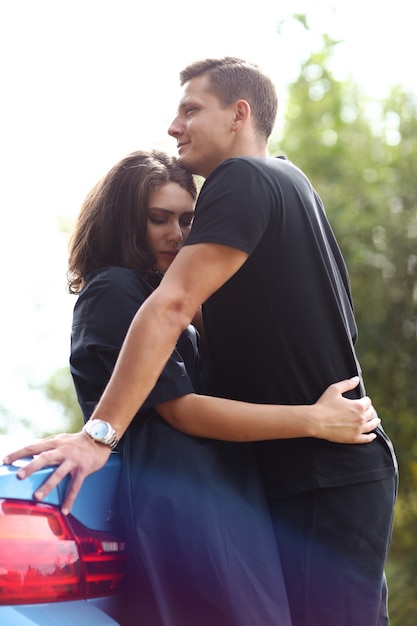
332 417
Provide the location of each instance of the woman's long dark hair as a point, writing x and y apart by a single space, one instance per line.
111 228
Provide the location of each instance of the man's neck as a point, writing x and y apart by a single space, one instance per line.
252 151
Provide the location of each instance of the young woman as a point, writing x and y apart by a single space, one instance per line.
202 548
135 221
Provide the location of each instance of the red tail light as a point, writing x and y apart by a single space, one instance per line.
46 557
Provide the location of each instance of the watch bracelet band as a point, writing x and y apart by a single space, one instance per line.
112 441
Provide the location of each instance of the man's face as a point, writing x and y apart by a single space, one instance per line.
202 128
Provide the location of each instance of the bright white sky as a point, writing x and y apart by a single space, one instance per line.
85 82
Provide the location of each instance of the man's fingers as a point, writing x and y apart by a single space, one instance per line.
54 479
71 494
23 453
73 456
44 459
32 449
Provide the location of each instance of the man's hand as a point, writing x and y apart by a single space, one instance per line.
357 420
73 454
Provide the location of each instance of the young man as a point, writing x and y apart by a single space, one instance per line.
262 258
280 326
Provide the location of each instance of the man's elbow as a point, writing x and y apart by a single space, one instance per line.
172 310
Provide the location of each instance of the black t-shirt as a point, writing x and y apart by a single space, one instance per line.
282 328
102 315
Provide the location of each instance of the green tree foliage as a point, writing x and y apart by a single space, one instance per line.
362 158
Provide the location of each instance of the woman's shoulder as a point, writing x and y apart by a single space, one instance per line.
116 279
111 287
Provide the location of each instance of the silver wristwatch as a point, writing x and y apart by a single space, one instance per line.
101 431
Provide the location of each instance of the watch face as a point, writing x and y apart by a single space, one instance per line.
98 429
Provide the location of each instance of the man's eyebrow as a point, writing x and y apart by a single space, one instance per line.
186 102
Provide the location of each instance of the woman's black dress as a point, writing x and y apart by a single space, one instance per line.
201 546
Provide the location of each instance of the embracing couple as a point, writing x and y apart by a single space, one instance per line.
256 494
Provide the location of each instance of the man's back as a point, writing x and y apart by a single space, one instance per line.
282 328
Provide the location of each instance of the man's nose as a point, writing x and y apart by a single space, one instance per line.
174 128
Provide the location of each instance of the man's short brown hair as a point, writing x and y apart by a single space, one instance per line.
233 79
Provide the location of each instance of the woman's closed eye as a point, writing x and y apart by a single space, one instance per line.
157 220
187 219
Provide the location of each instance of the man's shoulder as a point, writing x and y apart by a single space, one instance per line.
238 165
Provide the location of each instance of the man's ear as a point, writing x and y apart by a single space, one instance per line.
242 114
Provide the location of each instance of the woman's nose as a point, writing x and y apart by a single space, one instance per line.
175 233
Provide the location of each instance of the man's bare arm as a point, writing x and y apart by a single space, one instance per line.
197 272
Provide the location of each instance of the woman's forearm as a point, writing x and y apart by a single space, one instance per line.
230 420
332 417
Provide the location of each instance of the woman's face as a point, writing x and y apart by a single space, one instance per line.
170 213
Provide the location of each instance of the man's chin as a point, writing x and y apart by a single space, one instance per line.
188 163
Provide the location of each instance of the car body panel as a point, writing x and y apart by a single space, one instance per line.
79 613
96 504
96 507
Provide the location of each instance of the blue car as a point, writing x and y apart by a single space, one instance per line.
57 570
